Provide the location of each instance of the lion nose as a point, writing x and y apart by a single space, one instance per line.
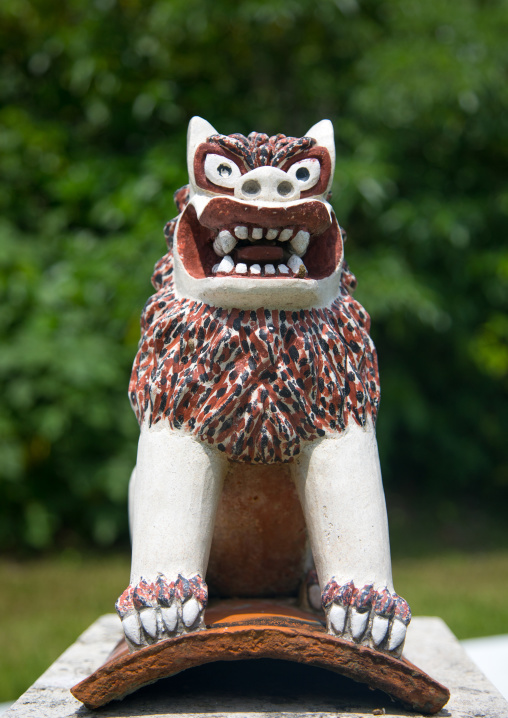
285 187
268 184
251 188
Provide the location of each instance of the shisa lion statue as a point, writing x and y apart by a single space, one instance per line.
254 357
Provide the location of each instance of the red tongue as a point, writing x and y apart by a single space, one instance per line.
259 253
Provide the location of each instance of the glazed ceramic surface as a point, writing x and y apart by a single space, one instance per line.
256 389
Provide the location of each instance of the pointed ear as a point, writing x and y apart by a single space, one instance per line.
322 132
198 132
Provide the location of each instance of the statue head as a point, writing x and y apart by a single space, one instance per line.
258 229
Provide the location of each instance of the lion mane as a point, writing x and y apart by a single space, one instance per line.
255 384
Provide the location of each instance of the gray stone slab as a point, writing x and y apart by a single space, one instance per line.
261 688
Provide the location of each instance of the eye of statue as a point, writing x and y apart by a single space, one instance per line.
302 174
306 172
221 170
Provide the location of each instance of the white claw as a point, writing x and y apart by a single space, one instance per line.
255 269
241 268
300 242
358 623
241 232
272 233
397 634
282 269
285 235
296 265
269 269
379 628
132 629
148 618
190 611
215 268
257 233
226 266
337 618
170 617
314 594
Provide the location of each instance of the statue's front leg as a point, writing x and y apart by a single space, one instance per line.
173 495
339 483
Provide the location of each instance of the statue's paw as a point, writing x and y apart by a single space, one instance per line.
152 611
374 618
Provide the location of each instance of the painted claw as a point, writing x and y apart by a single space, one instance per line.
397 635
379 628
190 612
337 617
148 618
358 623
170 617
154 610
132 629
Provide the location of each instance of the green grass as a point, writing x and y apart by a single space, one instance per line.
46 604
468 591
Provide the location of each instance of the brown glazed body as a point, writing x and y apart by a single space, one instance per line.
259 542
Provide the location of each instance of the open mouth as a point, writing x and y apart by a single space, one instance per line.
259 251
235 239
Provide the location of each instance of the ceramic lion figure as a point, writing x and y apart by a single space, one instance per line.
256 389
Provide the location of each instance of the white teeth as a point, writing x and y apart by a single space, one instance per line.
226 266
257 233
217 248
269 269
255 269
224 243
296 265
272 233
300 242
241 268
285 235
283 269
241 232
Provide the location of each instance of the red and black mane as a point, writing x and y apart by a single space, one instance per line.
260 150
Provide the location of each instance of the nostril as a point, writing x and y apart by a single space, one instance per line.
251 187
284 188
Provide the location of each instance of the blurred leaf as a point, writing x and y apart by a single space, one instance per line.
94 103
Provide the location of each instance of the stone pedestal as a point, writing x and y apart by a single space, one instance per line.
264 687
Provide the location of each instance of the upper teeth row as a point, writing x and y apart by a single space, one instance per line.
225 242
257 233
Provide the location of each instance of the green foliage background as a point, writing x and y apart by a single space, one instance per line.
94 102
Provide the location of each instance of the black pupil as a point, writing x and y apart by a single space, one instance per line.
224 170
302 174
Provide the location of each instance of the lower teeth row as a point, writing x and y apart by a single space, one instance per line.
227 266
